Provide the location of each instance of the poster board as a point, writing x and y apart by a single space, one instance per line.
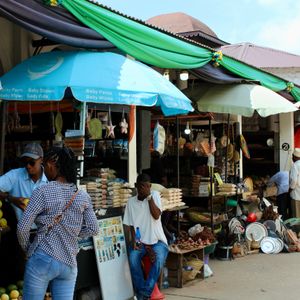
112 260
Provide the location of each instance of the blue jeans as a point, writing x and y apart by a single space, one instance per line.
42 269
144 287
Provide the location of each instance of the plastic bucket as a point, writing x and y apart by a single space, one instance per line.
231 202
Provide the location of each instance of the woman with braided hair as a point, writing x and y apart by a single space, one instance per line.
62 213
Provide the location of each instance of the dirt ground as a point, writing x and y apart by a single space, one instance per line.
254 277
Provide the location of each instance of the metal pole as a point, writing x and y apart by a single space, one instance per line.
211 179
2 139
226 150
178 161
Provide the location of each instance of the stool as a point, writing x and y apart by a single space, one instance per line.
156 294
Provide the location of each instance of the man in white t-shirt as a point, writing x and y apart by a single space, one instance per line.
143 211
295 184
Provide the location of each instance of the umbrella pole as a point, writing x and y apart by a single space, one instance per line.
2 139
226 150
177 162
211 178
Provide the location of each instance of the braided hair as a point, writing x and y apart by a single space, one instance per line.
65 162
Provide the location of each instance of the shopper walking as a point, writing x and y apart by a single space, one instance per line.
62 213
143 211
295 184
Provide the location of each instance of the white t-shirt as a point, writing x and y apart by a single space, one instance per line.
137 214
295 180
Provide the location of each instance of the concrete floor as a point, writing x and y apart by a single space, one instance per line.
254 277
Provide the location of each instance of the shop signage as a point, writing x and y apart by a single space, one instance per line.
112 260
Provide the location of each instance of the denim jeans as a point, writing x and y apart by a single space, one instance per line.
41 270
144 287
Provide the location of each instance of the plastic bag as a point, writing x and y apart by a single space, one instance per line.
159 138
207 271
195 229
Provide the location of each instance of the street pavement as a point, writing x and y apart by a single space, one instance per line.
254 277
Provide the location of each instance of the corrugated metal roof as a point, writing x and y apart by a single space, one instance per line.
180 22
261 57
187 26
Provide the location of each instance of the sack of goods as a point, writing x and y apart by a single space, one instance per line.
226 189
171 198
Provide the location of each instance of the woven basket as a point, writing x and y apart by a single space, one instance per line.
270 191
192 266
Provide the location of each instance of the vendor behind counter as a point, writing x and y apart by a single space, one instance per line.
15 186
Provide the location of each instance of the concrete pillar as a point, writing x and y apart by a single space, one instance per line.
132 159
286 135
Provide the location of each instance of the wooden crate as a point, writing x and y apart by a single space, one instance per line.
175 263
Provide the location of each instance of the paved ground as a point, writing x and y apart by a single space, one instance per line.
254 277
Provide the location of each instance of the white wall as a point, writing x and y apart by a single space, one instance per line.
286 125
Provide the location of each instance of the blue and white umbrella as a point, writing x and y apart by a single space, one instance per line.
98 77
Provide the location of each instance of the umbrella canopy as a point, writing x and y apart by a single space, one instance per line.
92 77
241 99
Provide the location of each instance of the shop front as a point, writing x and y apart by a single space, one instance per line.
101 130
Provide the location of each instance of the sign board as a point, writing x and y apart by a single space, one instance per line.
218 178
285 146
112 260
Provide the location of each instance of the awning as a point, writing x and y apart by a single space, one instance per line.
146 43
98 77
55 23
240 99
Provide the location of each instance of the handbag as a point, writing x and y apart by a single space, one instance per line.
58 218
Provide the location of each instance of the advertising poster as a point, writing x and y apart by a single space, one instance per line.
112 260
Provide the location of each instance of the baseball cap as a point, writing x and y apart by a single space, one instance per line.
33 150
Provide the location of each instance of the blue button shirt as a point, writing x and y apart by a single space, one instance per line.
281 179
18 183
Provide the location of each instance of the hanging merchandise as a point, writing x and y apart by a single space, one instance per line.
58 124
244 147
30 117
16 117
110 127
191 135
159 138
224 141
181 142
123 124
94 127
9 121
204 147
213 144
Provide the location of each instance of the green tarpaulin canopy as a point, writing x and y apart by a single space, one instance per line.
161 48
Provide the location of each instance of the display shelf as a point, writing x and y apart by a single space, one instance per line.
263 158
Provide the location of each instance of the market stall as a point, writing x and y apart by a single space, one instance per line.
114 85
245 202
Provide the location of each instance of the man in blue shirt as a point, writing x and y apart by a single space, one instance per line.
18 184
15 186
281 180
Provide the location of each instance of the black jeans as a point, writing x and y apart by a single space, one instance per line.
283 203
